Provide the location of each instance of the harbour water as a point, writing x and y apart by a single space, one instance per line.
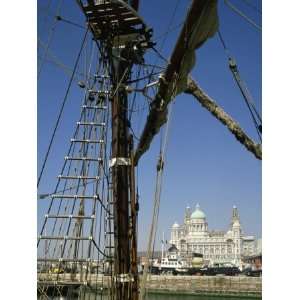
167 297
194 297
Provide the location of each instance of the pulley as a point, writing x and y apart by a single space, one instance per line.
81 84
91 95
100 98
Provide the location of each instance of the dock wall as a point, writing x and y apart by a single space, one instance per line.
226 285
191 285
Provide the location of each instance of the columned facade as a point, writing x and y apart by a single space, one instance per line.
216 246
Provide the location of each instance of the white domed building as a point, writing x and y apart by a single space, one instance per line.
216 246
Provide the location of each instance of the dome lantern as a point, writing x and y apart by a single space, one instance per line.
198 213
175 225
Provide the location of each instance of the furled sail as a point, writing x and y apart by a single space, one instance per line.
201 23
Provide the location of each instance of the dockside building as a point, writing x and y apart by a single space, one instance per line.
216 246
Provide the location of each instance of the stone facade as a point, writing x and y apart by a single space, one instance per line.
216 246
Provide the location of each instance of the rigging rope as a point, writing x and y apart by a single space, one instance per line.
47 11
60 18
169 25
165 37
49 39
62 107
241 14
69 168
169 31
54 60
243 88
249 4
156 204
142 78
135 94
160 55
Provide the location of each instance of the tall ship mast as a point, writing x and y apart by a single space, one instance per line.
94 203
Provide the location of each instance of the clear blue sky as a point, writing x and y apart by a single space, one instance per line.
204 164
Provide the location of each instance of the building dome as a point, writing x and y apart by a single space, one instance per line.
198 213
175 225
173 249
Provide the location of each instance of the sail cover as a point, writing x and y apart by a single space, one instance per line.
205 27
201 23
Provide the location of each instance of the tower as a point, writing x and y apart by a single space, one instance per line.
235 215
187 220
175 234
187 214
236 230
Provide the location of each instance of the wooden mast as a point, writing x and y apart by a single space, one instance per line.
125 263
123 183
121 32
120 182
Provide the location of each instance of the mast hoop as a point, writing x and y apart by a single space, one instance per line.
119 161
124 278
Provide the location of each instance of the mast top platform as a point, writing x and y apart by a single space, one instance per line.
112 18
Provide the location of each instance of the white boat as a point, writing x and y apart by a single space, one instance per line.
170 263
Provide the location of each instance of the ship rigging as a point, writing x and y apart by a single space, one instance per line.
90 226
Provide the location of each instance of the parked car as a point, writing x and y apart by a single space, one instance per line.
252 273
227 271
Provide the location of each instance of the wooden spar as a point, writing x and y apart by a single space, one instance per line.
158 111
208 103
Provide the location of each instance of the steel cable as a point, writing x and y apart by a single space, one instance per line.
249 4
52 30
62 108
156 204
243 88
165 37
241 14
